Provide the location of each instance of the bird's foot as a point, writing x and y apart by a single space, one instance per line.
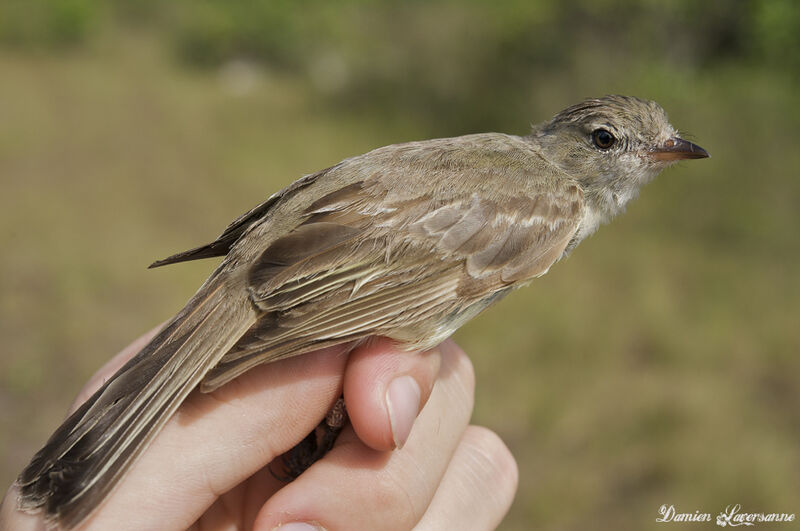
316 444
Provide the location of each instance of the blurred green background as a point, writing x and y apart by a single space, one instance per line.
657 365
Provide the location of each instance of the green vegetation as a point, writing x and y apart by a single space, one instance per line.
658 364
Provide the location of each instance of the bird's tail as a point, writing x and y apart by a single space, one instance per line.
88 454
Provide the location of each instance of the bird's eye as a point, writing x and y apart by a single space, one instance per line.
602 138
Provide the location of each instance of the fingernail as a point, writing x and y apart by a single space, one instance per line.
299 526
402 400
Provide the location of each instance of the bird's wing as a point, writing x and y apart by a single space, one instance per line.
222 245
367 262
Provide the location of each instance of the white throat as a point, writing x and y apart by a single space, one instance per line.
600 208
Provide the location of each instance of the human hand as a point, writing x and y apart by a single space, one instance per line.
209 468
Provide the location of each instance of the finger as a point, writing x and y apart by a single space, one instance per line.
215 441
478 487
385 388
356 487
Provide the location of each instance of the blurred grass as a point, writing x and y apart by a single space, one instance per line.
658 364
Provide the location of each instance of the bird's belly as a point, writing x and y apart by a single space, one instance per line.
427 334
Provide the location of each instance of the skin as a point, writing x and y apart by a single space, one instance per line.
447 473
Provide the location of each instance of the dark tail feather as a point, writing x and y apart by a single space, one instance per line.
89 453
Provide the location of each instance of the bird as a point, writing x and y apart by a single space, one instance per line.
408 241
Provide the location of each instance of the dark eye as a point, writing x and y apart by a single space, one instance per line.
602 138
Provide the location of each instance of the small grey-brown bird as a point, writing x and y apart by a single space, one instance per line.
408 241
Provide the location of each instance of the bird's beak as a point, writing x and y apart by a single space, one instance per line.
677 149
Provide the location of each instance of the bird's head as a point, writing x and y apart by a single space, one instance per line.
613 145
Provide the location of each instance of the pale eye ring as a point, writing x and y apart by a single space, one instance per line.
603 139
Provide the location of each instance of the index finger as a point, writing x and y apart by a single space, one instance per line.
217 440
